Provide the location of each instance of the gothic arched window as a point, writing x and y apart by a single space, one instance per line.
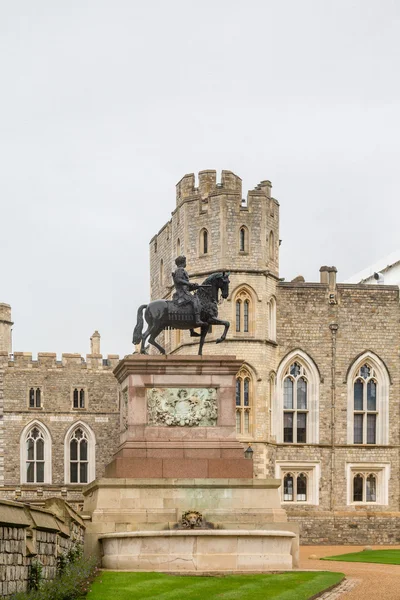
295 410
244 401
79 454
243 308
35 454
368 387
365 407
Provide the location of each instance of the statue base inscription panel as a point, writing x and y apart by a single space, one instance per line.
177 418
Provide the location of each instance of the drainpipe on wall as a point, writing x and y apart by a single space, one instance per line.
333 327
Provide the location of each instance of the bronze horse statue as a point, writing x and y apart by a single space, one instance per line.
166 314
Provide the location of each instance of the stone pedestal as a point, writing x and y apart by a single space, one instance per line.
178 452
178 418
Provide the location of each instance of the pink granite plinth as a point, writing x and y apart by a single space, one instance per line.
156 450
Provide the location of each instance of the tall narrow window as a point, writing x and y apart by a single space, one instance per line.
246 315
178 247
301 492
243 312
35 398
243 401
365 405
242 239
271 246
288 488
272 319
35 456
78 397
295 405
161 272
78 457
204 242
238 314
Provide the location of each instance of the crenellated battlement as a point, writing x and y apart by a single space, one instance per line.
24 360
207 185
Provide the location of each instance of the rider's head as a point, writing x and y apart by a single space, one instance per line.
180 261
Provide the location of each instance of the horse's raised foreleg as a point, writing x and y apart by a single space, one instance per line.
203 334
215 321
154 332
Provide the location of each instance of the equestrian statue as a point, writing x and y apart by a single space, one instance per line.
185 310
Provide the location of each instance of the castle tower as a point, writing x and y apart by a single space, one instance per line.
217 230
5 328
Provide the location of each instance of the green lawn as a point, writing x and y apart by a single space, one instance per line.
386 557
111 585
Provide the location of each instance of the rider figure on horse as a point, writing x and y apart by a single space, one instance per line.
183 288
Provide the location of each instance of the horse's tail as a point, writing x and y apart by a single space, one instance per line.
137 332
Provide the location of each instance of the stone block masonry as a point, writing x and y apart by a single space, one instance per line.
30 534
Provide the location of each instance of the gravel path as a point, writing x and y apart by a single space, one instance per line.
365 580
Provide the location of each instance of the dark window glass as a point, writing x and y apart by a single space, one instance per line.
38 402
358 488
288 488
371 488
301 488
246 387
238 392
371 429
74 450
31 398
83 450
358 429
30 472
371 395
242 240
83 472
238 422
74 472
76 398
301 393
205 242
40 472
301 428
295 369
365 371
358 394
288 428
82 399
30 448
238 315
39 450
288 393
246 316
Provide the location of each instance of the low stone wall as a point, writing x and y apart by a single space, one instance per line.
29 533
356 528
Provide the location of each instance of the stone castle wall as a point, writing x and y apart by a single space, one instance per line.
56 381
331 324
29 534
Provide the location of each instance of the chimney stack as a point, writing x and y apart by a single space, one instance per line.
5 328
95 343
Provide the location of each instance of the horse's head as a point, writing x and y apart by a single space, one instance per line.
219 281
224 284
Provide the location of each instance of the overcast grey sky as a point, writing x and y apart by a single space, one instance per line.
106 104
